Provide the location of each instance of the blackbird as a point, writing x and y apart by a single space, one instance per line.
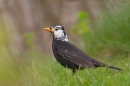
68 55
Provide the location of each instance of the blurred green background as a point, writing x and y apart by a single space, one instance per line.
101 28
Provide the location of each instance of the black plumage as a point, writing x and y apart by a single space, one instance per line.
68 55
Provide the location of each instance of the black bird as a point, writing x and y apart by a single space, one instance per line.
68 55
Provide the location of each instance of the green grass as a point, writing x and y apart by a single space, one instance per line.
48 72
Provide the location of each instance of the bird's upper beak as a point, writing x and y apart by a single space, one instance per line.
48 29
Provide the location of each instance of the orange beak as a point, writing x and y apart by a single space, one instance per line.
48 29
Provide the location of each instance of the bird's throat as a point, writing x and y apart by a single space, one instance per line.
63 38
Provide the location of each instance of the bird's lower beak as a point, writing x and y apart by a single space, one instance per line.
48 29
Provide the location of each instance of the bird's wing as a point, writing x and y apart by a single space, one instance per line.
73 54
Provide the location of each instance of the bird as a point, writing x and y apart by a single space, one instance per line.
70 56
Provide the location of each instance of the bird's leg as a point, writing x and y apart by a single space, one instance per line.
74 71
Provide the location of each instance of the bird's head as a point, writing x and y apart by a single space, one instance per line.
58 32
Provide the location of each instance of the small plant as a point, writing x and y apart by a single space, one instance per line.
29 40
81 27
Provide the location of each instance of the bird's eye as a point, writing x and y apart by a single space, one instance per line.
56 29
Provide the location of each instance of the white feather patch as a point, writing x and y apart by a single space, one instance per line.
59 34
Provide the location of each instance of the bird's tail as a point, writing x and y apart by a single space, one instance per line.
116 68
112 67
99 64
